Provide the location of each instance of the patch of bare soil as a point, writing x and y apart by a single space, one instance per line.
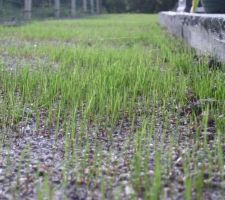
16 62
36 159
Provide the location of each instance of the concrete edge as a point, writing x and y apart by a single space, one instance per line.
204 32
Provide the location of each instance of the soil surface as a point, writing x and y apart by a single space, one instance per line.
30 154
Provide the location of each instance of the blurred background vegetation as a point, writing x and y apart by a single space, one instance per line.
139 6
13 9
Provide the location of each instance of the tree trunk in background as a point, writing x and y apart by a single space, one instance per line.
1 4
57 8
101 5
27 9
92 7
73 8
98 6
85 6
49 3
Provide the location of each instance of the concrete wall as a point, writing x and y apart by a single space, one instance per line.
204 32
